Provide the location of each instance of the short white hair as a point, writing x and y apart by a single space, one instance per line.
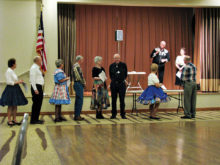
78 57
115 55
97 59
163 42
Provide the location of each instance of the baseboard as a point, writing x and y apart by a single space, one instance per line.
109 111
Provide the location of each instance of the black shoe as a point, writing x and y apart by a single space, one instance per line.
62 118
11 123
113 117
38 122
99 115
185 117
156 118
193 117
124 117
57 120
82 118
16 123
78 118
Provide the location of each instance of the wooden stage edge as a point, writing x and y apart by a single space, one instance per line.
109 111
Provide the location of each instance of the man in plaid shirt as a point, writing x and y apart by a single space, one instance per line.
189 80
79 85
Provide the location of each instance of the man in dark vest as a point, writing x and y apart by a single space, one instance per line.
160 57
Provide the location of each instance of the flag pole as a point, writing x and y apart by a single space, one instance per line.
40 47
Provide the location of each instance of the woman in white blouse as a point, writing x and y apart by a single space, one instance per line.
153 95
180 65
12 96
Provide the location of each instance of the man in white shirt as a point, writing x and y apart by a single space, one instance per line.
37 82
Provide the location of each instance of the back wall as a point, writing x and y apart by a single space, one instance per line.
143 27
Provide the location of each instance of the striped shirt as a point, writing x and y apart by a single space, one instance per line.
189 73
77 74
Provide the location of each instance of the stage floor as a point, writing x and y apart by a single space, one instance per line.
137 140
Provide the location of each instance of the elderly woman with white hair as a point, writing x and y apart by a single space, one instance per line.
60 93
100 97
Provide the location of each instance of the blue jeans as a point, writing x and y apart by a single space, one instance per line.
78 87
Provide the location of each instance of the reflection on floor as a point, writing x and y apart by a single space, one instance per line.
154 143
137 140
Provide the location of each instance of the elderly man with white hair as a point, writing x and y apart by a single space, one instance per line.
118 73
37 82
160 57
79 84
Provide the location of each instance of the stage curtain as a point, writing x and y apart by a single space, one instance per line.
143 28
207 48
67 37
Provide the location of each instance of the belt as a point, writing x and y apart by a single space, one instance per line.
118 82
190 81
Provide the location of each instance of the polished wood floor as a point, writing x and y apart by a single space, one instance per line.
189 143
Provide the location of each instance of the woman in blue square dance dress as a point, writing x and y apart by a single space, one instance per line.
12 96
60 93
154 94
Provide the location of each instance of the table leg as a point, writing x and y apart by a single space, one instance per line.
180 101
132 103
136 104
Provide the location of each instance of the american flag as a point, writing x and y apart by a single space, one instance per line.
40 47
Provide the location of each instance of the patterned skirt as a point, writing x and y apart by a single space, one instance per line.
13 96
100 97
153 95
60 95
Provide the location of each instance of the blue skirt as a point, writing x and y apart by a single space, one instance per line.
152 95
13 96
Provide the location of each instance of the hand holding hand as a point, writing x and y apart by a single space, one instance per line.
36 92
157 52
20 81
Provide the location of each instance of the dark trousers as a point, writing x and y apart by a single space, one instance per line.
118 88
37 103
78 87
161 69
190 92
